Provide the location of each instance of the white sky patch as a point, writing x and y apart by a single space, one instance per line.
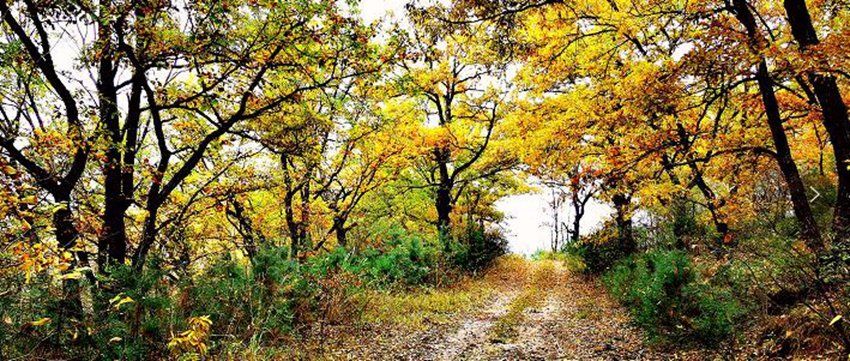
526 217
372 10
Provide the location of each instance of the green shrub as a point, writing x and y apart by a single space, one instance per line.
133 312
403 261
22 302
597 256
259 300
666 298
478 249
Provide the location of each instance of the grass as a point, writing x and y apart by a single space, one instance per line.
417 308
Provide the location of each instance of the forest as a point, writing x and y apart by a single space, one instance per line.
291 179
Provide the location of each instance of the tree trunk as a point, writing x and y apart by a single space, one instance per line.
292 225
70 306
802 210
341 232
444 211
112 243
443 201
834 113
623 218
556 239
809 230
250 237
578 208
574 234
148 238
711 203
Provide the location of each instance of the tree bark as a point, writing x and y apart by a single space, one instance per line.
294 227
341 232
443 200
834 111
112 242
711 202
579 206
70 306
809 230
625 235
251 239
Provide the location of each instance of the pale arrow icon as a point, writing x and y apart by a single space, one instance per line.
817 194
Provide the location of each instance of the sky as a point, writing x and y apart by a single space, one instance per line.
372 10
525 214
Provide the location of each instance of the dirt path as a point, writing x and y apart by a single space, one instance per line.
550 315
470 338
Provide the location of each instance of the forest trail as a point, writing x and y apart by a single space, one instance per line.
548 314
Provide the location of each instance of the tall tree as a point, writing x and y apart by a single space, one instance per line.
453 72
833 108
802 209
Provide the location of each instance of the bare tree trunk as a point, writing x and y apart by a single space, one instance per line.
809 230
70 306
112 243
443 200
834 112
341 232
251 239
711 203
292 225
625 235
578 208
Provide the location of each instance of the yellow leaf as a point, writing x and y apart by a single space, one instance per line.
40 322
124 300
835 319
75 275
115 299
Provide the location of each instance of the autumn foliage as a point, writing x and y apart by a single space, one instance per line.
196 178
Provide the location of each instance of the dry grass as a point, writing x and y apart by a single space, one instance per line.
418 308
543 274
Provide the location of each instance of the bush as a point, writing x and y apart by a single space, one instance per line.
663 293
134 308
256 301
477 249
407 262
403 261
598 256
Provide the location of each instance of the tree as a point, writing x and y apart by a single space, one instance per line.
189 81
453 75
802 210
833 109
